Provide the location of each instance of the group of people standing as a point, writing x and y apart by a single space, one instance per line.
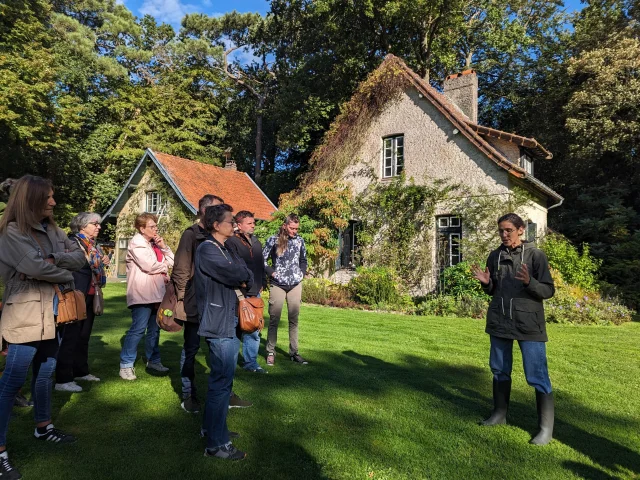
216 256
217 259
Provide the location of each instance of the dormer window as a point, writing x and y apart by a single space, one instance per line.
153 202
526 162
392 156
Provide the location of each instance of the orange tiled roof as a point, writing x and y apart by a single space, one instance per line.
195 179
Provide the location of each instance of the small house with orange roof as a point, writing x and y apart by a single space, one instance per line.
398 124
171 187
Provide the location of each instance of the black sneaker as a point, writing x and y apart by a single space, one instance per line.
191 404
298 359
236 402
226 452
7 471
21 401
54 435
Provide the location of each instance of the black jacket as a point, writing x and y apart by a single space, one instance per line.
516 311
183 269
249 250
218 273
82 278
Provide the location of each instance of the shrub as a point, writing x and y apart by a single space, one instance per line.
576 268
451 306
379 287
322 292
459 282
577 305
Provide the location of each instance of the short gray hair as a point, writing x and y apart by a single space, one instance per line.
83 219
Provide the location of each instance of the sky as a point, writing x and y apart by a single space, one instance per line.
172 11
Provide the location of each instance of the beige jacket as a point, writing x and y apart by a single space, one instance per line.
145 274
27 315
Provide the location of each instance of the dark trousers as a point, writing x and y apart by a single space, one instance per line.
73 357
188 358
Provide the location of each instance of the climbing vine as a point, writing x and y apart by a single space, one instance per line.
344 139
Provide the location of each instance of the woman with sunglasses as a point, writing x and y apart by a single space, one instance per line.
73 357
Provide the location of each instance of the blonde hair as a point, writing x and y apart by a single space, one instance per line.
27 202
283 236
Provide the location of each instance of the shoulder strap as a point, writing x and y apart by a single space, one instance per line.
239 294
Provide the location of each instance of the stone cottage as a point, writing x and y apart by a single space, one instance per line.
171 187
427 134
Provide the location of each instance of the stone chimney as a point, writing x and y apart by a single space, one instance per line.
462 90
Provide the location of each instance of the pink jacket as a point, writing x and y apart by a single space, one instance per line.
145 279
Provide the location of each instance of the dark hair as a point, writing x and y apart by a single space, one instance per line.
242 214
27 202
213 214
283 236
207 201
512 218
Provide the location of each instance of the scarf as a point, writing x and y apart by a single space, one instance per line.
94 258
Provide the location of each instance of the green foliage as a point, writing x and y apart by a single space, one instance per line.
458 281
397 226
323 292
479 210
576 268
380 287
453 306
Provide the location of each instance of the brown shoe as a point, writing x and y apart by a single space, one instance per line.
236 402
271 360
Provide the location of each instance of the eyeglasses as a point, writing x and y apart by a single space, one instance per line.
508 231
95 224
152 227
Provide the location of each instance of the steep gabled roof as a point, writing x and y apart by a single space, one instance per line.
474 133
192 180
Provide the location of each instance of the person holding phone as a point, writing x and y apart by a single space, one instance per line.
148 261
517 276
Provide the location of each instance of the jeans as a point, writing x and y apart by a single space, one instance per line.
250 346
534 360
19 357
188 359
143 318
73 356
276 302
223 353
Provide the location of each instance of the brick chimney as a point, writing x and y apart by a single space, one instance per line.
462 90
229 163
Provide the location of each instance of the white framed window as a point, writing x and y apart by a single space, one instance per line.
392 156
153 202
532 231
454 248
454 222
443 222
526 162
449 234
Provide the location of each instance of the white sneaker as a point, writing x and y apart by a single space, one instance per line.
68 387
158 367
88 378
128 373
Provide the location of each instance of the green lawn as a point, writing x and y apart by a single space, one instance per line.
384 397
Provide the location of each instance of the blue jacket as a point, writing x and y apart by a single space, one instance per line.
218 272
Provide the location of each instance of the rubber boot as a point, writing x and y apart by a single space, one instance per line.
544 402
501 395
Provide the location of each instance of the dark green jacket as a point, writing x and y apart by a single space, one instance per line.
516 311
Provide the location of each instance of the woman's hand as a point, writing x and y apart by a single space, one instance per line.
106 260
159 241
482 276
523 274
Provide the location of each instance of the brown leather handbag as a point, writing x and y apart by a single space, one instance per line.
250 313
72 306
165 318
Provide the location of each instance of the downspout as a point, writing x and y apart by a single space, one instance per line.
556 205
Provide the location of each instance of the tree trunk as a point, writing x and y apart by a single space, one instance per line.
258 169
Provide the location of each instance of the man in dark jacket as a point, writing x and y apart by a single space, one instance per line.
248 248
187 309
